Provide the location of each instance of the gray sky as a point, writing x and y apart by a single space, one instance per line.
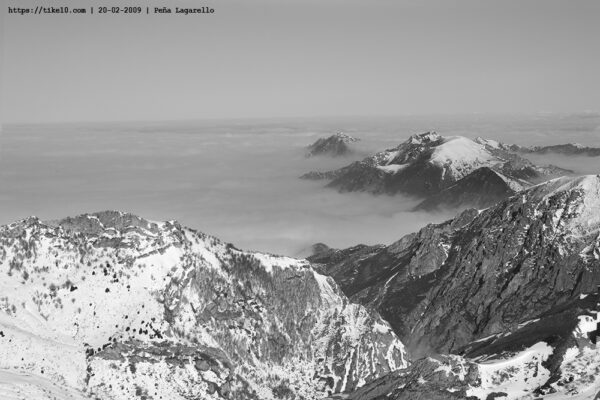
303 58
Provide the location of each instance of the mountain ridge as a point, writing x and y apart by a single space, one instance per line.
501 302
99 301
560 214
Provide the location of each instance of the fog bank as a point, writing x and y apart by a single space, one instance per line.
237 180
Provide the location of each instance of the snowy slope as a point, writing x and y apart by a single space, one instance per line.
115 306
459 156
17 386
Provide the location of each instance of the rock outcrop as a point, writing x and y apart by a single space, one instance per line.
334 145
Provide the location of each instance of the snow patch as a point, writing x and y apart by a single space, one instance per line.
269 261
516 376
392 168
459 156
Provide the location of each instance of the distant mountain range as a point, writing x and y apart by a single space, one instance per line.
334 145
571 149
447 172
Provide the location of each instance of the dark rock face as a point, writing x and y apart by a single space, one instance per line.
363 267
451 172
512 263
320 249
548 355
445 378
478 189
335 145
133 298
483 274
511 291
417 179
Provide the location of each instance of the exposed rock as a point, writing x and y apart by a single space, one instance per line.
551 357
334 145
445 378
456 282
554 356
479 189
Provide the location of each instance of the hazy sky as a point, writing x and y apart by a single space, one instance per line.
302 58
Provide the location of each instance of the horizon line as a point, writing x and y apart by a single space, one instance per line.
305 117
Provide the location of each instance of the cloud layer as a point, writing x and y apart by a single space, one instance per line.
239 180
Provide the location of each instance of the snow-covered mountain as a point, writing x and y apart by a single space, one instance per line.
112 306
334 145
511 289
447 171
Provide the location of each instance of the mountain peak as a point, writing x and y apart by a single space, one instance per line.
334 145
462 150
109 220
581 198
457 155
425 138
344 137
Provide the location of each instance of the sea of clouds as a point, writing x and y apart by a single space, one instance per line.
238 180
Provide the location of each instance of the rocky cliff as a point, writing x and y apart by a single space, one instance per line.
483 272
507 295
